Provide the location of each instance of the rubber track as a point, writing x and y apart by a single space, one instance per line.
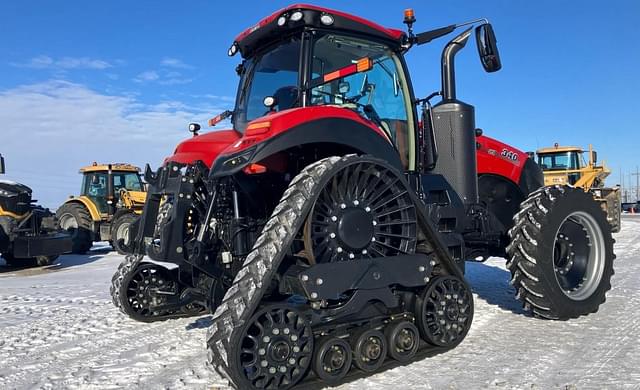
244 296
129 264
525 236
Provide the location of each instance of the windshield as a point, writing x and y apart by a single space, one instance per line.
274 73
559 161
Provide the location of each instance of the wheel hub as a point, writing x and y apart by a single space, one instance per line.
372 348
355 228
405 340
280 350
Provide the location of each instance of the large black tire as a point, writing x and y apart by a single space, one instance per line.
561 253
76 220
120 232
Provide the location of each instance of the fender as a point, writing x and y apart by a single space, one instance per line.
342 131
86 202
499 159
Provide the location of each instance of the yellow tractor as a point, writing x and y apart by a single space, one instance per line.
112 197
567 165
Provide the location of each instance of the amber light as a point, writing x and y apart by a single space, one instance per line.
258 128
253 169
364 64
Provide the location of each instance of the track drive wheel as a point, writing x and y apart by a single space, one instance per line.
137 287
120 231
561 253
444 311
275 350
76 220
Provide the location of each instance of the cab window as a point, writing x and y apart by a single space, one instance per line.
383 87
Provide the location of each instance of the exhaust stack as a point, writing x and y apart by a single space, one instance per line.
448 64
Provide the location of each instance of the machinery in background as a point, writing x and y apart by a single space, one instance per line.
564 165
28 233
111 199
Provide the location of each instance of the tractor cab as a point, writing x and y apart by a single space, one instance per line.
103 184
320 61
566 164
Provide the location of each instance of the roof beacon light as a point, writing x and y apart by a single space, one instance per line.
296 16
326 19
282 20
409 16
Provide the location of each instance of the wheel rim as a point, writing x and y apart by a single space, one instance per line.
145 288
68 222
446 312
578 255
122 233
276 348
364 211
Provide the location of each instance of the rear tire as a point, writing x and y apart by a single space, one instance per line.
561 253
120 232
76 220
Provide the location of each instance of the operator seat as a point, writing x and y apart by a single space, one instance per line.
286 97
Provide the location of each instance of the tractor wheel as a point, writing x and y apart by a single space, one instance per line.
561 253
120 232
76 220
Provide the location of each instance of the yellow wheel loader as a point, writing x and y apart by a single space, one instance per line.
111 198
567 165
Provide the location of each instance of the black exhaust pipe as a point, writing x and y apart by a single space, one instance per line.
448 64
454 126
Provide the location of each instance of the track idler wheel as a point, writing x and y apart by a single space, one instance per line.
275 350
404 339
444 311
332 359
142 289
369 350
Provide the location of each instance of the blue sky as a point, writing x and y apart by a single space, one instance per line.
120 80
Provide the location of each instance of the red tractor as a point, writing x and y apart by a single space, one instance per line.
330 226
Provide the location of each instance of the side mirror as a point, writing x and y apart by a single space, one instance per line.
594 157
194 128
2 170
488 48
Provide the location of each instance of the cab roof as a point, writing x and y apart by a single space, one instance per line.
267 29
122 167
559 149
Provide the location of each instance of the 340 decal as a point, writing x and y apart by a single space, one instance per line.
509 154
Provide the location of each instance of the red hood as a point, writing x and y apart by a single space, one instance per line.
205 147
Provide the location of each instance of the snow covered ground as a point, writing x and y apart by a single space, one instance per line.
58 329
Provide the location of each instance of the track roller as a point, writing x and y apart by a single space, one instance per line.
403 339
332 359
369 349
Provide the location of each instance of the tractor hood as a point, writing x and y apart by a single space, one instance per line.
205 147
